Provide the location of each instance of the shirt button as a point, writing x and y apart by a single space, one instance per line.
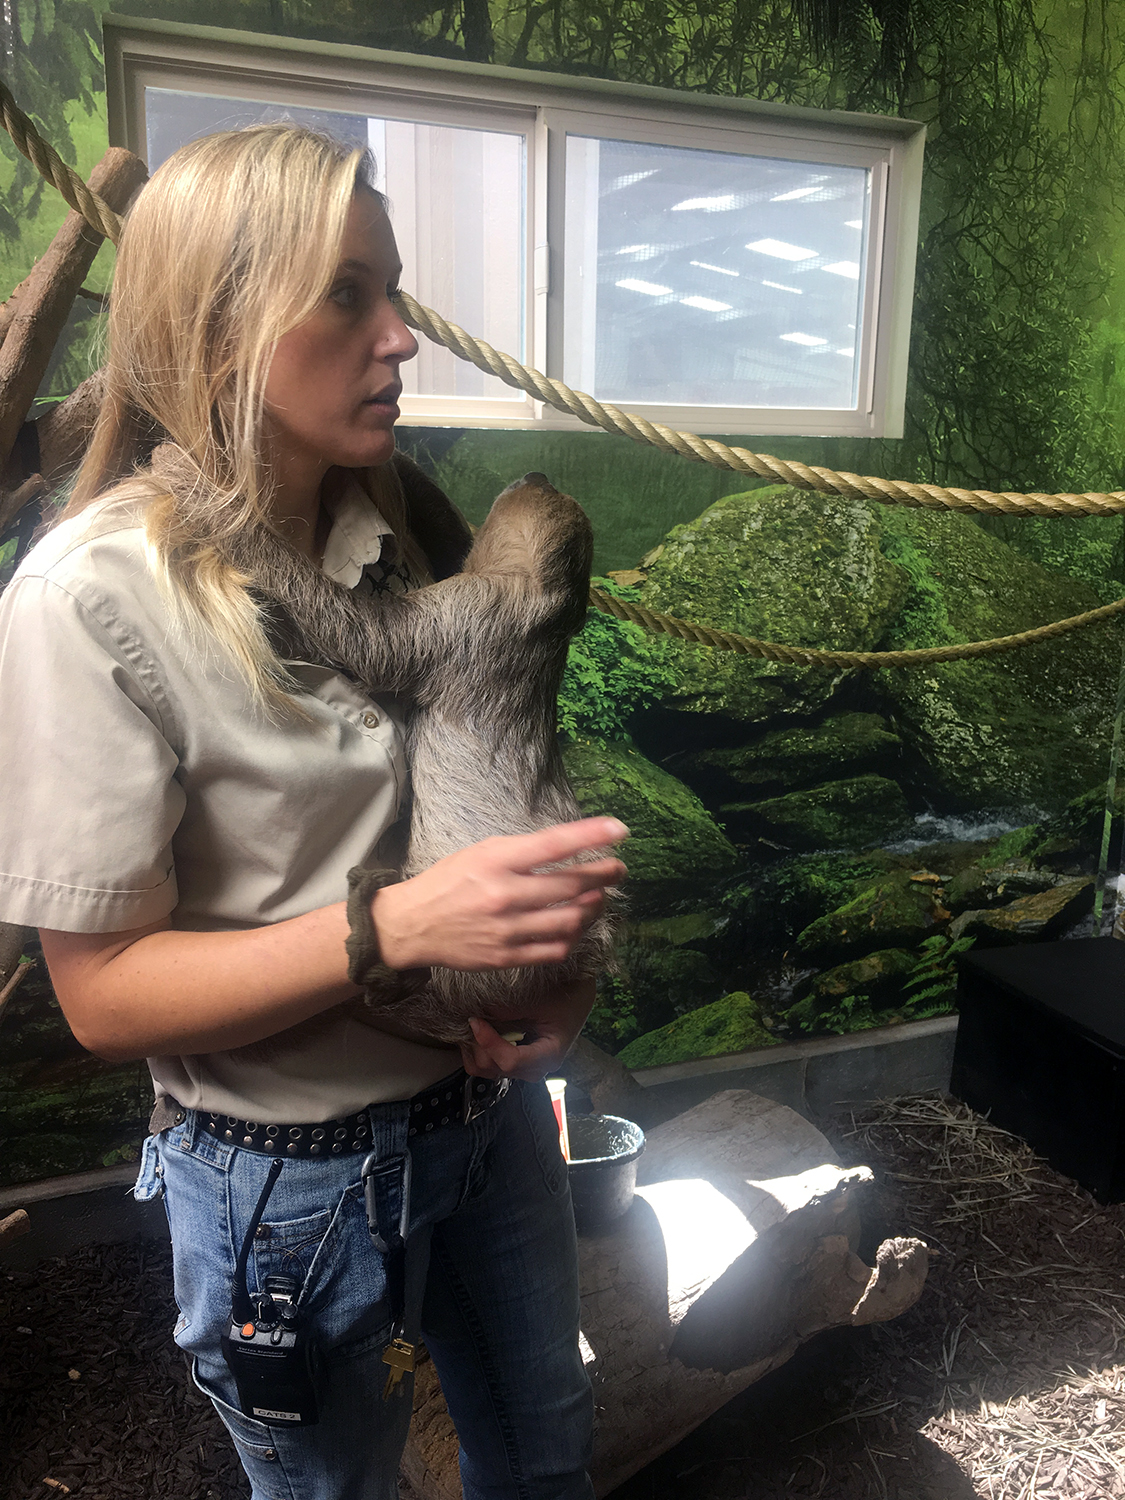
370 719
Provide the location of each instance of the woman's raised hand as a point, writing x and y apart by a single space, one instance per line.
494 906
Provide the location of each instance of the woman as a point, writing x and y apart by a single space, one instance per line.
184 808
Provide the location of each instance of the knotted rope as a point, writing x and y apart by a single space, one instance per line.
687 445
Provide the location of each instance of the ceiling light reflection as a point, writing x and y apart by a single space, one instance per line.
706 266
781 250
649 288
708 304
707 205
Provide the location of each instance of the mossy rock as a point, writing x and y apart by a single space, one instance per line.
732 1024
780 564
665 982
876 976
852 814
675 846
895 912
694 929
776 903
788 759
1031 919
1029 726
992 882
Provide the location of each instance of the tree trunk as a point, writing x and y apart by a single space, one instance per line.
40 305
738 1247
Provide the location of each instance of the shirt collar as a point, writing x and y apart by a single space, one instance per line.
356 538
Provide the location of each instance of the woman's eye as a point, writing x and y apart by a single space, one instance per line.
393 290
345 296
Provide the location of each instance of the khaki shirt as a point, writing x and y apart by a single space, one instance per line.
141 783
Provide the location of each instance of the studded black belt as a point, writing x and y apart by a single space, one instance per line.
455 1100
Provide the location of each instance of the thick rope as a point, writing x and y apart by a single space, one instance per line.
728 640
93 208
688 445
706 450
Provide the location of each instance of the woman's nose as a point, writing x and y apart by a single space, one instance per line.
395 342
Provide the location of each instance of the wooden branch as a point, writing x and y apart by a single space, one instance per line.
23 969
14 1225
13 940
44 299
65 430
13 501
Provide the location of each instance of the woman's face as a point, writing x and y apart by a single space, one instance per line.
333 387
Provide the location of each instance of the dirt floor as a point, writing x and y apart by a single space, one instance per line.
1006 1381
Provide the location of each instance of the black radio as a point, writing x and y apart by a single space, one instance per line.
271 1354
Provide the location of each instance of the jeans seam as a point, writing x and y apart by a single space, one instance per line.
483 1351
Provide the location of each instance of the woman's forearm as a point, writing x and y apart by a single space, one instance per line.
498 904
151 992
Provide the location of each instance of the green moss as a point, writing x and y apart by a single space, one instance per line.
787 759
676 845
780 564
732 1024
613 669
1029 726
894 912
851 814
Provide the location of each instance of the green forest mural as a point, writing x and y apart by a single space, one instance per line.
811 849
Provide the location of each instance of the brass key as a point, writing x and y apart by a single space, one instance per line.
400 1356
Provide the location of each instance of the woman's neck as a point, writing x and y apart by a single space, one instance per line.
295 505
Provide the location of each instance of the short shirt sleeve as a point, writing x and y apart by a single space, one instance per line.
91 799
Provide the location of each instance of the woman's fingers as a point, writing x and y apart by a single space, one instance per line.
526 852
551 888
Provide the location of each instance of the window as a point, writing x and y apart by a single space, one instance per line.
716 264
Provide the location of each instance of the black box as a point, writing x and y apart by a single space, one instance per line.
1041 1050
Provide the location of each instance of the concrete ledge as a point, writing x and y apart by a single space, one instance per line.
88 1208
814 1077
823 1075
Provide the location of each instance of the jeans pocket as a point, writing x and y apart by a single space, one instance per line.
150 1175
255 1443
544 1128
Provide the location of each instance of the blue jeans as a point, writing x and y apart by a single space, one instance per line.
500 1313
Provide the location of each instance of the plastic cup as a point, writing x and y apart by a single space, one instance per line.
556 1087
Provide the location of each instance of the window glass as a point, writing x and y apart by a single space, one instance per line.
712 279
457 199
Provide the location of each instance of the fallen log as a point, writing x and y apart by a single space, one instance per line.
740 1245
14 1226
43 300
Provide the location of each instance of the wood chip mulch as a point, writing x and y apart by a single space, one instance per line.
1005 1382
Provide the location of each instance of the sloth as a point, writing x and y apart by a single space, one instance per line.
476 659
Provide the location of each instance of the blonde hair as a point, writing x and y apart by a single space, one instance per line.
233 242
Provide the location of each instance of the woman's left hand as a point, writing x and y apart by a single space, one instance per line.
556 1027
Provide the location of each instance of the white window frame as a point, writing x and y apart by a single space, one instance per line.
545 107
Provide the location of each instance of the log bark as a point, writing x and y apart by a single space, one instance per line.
740 1245
64 432
44 299
13 1226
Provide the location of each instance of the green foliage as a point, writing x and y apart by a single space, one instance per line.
849 1013
934 977
613 669
613 1020
922 620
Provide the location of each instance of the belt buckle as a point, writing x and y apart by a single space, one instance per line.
474 1108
